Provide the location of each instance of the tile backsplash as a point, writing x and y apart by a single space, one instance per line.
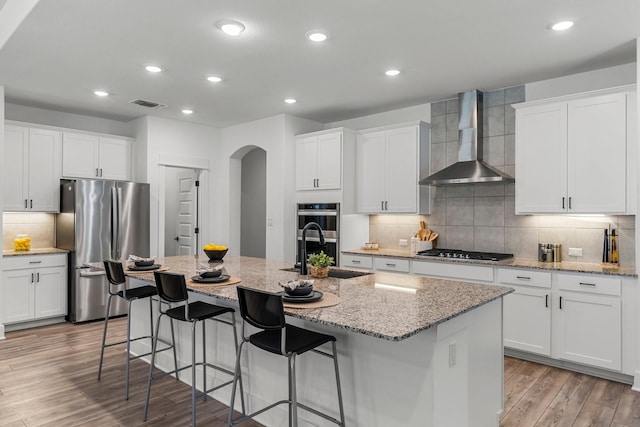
39 226
482 216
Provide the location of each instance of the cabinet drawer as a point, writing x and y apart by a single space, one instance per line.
391 264
454 270
540 279
590 284
33 261
357 261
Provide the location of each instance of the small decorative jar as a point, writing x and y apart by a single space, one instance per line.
22 242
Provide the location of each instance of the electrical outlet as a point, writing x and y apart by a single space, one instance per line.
452 355
403 242
575 251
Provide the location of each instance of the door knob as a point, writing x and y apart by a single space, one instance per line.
177 238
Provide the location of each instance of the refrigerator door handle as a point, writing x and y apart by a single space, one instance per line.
93 273
115 222
119 241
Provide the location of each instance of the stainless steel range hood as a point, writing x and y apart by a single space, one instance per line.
469 168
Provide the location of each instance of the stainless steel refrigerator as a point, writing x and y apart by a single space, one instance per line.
100 220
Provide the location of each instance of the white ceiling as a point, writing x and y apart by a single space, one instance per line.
65 49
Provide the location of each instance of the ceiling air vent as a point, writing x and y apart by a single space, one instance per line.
147 104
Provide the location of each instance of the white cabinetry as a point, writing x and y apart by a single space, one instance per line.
319 161
587 325
389 163
571 155
34 287
391 264
526 311
31 170
95 156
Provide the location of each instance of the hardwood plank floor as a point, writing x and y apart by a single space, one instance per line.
544 396
48 377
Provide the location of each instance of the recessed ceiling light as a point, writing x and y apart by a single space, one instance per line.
214 79
392 73
230 27
562 25
187 111
316 36
153 68
101 93
290 101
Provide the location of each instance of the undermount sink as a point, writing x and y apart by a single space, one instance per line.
339 274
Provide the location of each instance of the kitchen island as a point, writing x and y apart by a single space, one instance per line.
413 351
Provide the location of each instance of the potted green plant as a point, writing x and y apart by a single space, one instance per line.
319 264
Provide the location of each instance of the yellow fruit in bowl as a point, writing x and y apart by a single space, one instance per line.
214 247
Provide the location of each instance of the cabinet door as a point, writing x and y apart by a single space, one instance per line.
44 170
597 149
588 329
79 155
329 161
632 152
306 163
50 292
402 171
17 296
527 320
541 159
370 172
15 173
114 159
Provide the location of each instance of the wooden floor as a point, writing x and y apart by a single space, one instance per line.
48 378
543 396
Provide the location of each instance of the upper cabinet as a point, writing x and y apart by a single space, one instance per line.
389 163
319 161
95 156
32 167
571 155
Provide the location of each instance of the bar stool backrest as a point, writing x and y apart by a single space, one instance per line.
261 309
115 272
171 286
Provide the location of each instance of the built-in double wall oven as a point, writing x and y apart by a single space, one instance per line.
327 216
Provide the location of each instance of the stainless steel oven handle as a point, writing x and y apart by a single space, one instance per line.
317 213
317 239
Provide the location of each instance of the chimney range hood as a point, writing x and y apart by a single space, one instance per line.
469 168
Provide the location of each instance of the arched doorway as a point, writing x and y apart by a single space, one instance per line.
253 203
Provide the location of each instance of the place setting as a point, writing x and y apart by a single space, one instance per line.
143 265
300 294
215 275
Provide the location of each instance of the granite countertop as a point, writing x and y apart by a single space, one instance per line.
364 308
35 251
574 267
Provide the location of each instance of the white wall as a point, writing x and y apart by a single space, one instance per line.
2 111
177 143
66 120
583 82
418 112
276 136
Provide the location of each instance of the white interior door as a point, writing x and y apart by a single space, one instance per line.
180 211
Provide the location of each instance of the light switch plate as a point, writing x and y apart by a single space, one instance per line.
575 251
403 242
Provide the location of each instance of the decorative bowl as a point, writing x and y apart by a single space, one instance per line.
206 274
215 255
298 288
144 263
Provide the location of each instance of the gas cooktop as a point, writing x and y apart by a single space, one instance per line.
460 254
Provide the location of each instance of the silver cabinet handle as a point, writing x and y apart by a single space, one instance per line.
382 205
560 303
523 277
390 265
35 262
355 261
546 300
100 172
563 203
30 203
31 277
25 203
386 205
38 277
97 172
569 202
587 284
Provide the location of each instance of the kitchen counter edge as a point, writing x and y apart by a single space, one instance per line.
573 267
35 251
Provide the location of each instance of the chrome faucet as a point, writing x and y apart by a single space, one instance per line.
303 249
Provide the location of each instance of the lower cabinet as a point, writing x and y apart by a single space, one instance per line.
569 317
34 287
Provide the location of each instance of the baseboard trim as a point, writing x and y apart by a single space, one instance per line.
33 324
571 366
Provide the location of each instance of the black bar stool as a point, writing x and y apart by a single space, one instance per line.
264 310
172 289
118 287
